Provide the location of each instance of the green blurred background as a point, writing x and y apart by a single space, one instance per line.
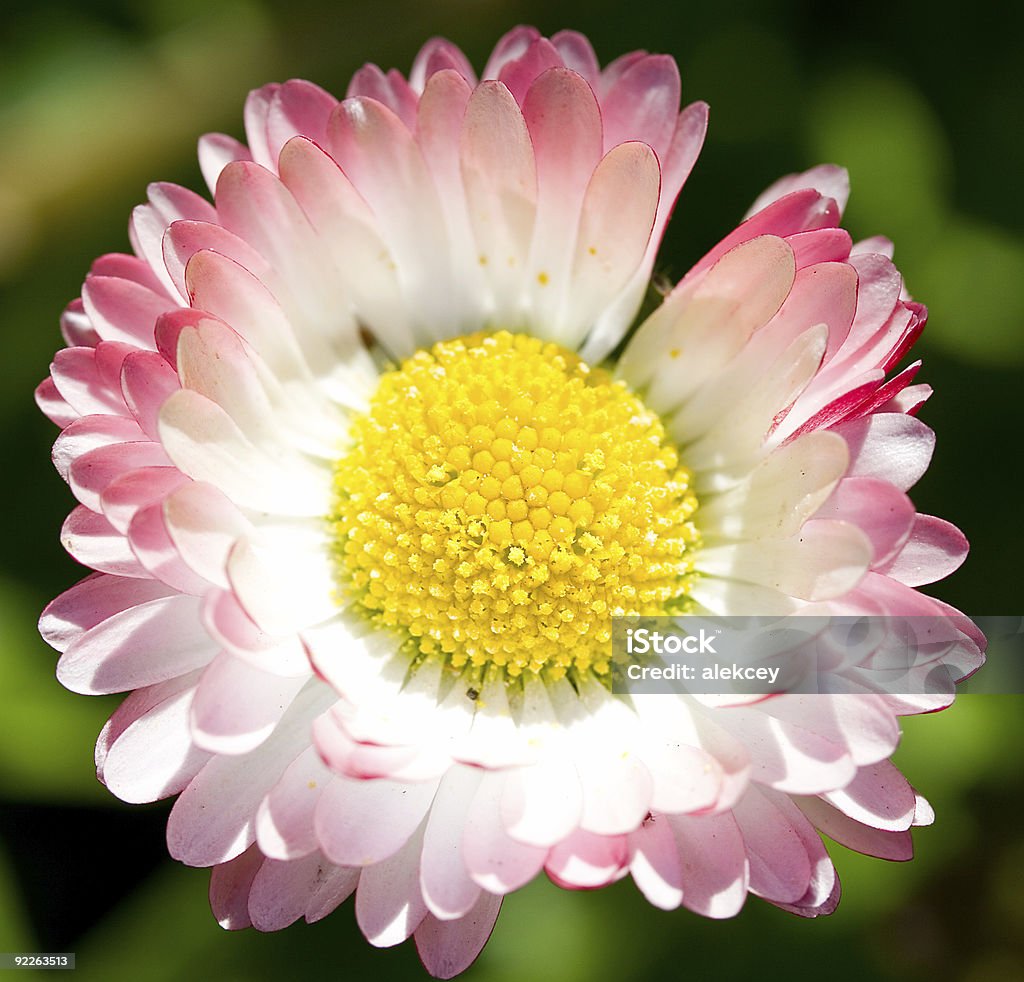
98 98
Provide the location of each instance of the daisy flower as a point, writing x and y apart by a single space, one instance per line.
368 456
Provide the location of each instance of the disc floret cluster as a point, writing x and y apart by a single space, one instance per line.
503 500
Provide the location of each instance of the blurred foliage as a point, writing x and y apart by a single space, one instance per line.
46 727
97 98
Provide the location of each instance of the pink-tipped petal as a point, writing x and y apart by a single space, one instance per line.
518 75
221 723
360 823
884 512
499 174
934 549
715 877
512 45
298 108
389 905
447 887
213 820
564 121
643 104
888 446
230 884
154 549
382 160
895 846
779 865
92 473
77 380
439 55
284 824
448 948
92 541
122 310
577 53
53 405
153 757
145 644
216 151
655 863
878 796
828 180
584 861
497 862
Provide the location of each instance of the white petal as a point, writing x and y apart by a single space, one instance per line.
214 818
284 823
584 860
280 890
203 525
447 888
389 905
360 823
542 803
714 864
284 576
237 706
616 219
727 423
890 446
823 560
702 326
655 863
448 948
151 642
207 445
494 740
785 489
500 178
154 756
779 865
496 861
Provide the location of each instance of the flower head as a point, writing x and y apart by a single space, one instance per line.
363 490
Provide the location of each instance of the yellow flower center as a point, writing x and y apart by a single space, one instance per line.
503 500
